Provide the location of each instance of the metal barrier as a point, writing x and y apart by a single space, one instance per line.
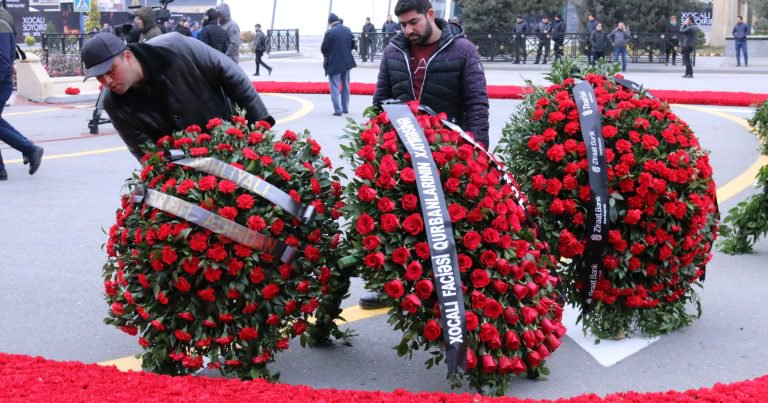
644 47
61 54
282 39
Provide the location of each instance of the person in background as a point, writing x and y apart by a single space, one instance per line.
232 30
542 30
32 154
183 27
434 63
589 28
598 41
212 34
259 47
389 29
107 28
520 30
740 32
620 37
167 84
337 46
369 40
194 27
689 32
145 21
558 36
672 36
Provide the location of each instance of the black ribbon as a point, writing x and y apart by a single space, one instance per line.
216 223
244 179
437 225
590 120
629 84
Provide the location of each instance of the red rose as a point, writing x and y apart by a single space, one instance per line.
500 286
511 340
371 242
492 309
480 278
528 314
465 262
424 289
610 131
505 365
385 205
413 224
270 291
489 364
411 303
472 321
451 185
552 342
366 194
367 153
471 359
375 260
518 367
510 315
432 330
117 309
394 288
248 334
633 216
457 212
488 258
533 359
299 328
389 223
410 202
365 224
471 191
529 339
365 171
388 165
207 294
556 153
401 255
471 240
407 175
422 250
413 271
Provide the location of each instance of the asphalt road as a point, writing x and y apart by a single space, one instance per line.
51 232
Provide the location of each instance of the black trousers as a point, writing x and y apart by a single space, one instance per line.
687 51
542 45
259 62
558 49
671 48
596 55
520 49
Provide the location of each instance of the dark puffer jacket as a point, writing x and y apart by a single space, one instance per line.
454 82
214 36
186 84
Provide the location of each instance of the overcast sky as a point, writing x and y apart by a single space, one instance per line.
309 16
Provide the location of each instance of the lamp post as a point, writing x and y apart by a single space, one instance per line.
274 10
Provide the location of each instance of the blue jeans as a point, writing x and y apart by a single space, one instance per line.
340 101
623 53
741 46
8 134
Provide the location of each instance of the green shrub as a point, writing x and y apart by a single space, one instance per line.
29 40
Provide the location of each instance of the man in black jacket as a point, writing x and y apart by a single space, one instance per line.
368 50
558 36
519 32
542 31
672 39
167 84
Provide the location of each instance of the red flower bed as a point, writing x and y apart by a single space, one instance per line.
33 379
516 92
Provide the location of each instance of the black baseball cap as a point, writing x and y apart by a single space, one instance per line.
99 52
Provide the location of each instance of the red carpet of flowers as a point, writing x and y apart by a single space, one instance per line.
27 379
517 92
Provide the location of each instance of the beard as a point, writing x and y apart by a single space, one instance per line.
423 38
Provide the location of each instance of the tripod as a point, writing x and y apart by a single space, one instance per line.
97 120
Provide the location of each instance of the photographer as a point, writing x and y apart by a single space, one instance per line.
167 84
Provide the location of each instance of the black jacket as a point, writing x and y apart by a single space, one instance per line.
672 33
558 30
543 30
185 84
689 35
183 30
454 82
599 41
214 36
337 46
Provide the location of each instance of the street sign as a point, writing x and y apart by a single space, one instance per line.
82 6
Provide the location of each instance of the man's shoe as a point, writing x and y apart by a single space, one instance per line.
35 159
344 112
516 62
536 62
269 70
336 113
371 301
3 175
25 160
255 74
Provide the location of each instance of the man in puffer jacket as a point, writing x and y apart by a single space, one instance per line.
167 84
212 34
432 61
145 20
232 29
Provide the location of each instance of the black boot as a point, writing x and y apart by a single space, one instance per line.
35 158
371 301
